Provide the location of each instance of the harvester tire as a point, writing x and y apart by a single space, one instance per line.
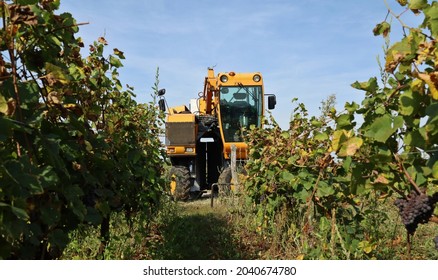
179 177
224 182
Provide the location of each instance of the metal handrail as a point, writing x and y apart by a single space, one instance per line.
212 190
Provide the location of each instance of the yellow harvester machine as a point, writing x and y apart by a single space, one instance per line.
199 138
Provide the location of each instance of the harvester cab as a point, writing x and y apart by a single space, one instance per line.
199 139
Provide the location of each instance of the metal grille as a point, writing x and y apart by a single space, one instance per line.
180 133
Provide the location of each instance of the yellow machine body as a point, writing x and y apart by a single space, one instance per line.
200 139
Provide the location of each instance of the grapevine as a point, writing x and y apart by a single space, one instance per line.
74 144
391 150
398 134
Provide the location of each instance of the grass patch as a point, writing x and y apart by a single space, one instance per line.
289 235
230 230
195 233
181 231
195 230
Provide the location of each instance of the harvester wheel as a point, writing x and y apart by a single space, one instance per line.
179 182
224 182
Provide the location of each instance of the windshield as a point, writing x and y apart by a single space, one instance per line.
240 106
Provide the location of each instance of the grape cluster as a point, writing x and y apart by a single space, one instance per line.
415 209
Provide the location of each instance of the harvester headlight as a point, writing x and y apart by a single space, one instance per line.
189 150
256 78
224 78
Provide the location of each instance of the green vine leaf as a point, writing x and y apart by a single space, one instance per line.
50 216
370 86
58 238
23 177
431 18
410 102
345 121
416 138
27 2
20 213
324 189
114 61
351 107
383 127
417 4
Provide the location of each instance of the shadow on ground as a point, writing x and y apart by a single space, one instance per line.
196 236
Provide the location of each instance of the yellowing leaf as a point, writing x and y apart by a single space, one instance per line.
382 28
56 74
119 53
102 40
366 246
345 143
339 137
350 147
418 85
435 170
381 179
397 53
321 137
53 97
432 81
7 107
3 105
403 2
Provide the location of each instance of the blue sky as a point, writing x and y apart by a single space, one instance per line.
305 49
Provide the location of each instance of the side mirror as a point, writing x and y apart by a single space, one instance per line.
272 101
162 105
